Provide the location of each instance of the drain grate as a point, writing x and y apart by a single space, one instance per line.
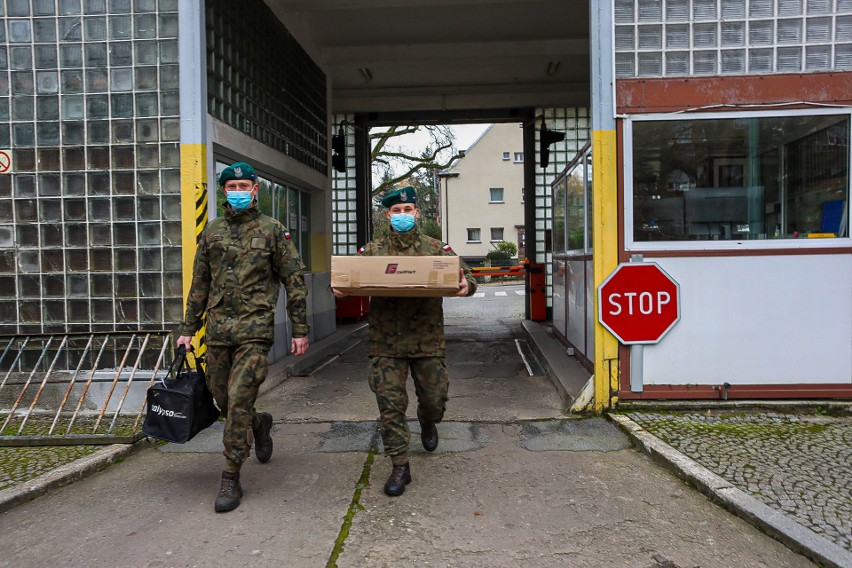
534 368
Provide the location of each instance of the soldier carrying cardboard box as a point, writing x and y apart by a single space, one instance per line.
407 334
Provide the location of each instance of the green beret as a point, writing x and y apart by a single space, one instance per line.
239 170
404 195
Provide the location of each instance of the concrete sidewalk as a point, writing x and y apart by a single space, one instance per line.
784 466
514 483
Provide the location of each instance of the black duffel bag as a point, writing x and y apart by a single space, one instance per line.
179 408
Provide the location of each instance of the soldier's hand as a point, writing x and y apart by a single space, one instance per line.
299 345
339 293
185 341
463 286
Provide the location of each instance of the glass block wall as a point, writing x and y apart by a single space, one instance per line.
675 38
344 195
263 83
90 233
576 125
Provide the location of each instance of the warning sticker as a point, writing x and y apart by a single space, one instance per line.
5 161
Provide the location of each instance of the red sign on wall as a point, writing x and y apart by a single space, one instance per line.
639 303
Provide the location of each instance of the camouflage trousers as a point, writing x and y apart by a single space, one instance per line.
388 376
234 375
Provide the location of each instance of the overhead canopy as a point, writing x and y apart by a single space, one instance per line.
435 55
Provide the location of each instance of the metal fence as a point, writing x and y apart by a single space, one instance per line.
85 388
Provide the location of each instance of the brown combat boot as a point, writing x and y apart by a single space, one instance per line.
230 493
429 436
263 438
400 477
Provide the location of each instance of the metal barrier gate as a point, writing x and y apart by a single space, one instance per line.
84 388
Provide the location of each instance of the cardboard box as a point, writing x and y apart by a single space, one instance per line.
396 275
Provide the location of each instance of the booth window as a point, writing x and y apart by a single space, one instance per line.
572 193
746 178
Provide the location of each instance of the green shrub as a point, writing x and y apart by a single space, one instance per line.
503 252
509 248
430 228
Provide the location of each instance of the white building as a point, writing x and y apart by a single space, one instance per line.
482 196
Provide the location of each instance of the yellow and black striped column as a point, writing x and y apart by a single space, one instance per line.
193 216
193 140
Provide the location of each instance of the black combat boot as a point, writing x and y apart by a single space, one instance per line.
429 436
230 493
400 477
263 438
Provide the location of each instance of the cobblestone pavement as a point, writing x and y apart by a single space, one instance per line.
798 464
18 465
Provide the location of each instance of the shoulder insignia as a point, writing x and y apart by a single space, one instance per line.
287 234
447 247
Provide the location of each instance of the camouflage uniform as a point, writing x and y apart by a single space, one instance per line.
241 258
408 334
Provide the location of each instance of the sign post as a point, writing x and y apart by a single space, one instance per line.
638 303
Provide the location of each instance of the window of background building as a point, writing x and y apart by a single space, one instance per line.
506 156
496 234
519 157
473 236
496 195
756 177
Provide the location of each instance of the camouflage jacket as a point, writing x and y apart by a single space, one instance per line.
408 327
241 258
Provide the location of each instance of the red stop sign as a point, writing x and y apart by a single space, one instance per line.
639 303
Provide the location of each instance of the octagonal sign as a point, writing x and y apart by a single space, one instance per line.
639 303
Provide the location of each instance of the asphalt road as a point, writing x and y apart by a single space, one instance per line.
491 301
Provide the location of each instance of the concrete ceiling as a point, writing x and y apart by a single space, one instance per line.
436 55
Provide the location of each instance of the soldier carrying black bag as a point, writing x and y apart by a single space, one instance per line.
181 407
242 258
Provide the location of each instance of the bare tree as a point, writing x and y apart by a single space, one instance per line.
393 166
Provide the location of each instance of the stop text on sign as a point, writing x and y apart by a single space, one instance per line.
646 303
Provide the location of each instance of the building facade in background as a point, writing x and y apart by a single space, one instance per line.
482 195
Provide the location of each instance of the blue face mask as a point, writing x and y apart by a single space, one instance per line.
239 200
402 222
